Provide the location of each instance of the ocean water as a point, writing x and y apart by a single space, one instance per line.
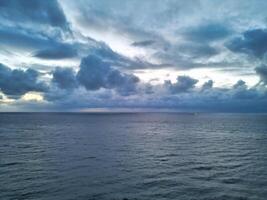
146 156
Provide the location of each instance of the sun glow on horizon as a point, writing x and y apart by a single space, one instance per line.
32 96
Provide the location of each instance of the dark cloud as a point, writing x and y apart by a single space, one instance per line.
17 82
44 47
170 37
183 84
53 48
143 43
23 39
195 50
262 72
95 73
33 11
239 98
207 85
64 78
125 84
57 52
186 55
105 53
28 40
235 99
252 42
102 17
207 32
240 84
240 91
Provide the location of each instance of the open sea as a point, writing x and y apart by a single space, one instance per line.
134 156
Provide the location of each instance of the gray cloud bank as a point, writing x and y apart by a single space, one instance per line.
97 84
18 82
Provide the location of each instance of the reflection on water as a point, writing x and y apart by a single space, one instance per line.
133 156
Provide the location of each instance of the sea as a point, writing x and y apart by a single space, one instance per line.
133 156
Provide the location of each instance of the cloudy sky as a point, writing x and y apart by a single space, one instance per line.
88 55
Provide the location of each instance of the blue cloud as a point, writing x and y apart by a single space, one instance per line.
143 43
195 50
92 73
207 85
33 11
242 92
240 84
57 52
95 73
15 83
44 47
104 52
112 58
262 72
239 98
207 32
64 78
183 84
167 34
253 42
186 55
24 39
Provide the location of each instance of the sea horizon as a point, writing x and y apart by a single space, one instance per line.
133 110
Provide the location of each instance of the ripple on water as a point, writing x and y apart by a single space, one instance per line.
133 156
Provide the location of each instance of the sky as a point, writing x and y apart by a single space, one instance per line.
87 55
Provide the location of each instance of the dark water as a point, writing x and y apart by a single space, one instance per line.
133 156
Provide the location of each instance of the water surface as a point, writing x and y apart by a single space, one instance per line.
146 156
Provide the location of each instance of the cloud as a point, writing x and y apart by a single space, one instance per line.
188 55
104 16
105 53
195 50
143 43
183 84
199 44
96 80
252 42
206 32
60 51
23 39
45 47
235 99
17 82
42 46
64 78
33 11
207 85
95 73
262 72
177 35
238 98
240 84
241 91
